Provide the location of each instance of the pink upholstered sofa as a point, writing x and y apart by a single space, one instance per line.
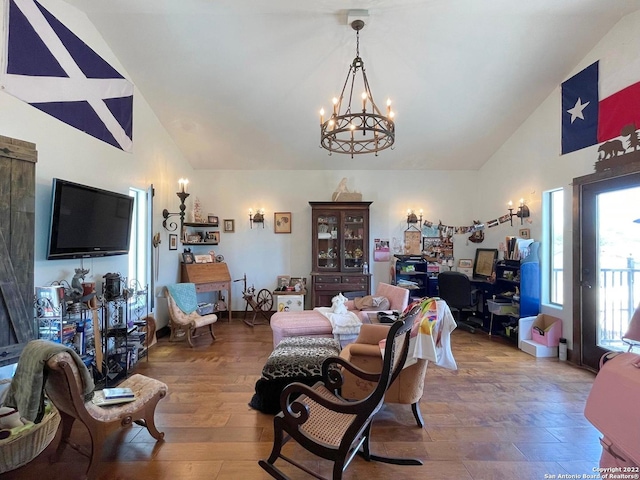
310 323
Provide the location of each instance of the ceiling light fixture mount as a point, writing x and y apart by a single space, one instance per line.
351 131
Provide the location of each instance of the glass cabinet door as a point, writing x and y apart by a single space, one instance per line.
328 246
354 241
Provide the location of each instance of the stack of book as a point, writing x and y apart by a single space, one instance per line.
112 396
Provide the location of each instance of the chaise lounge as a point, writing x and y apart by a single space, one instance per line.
310 323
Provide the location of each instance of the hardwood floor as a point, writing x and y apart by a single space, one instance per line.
502 415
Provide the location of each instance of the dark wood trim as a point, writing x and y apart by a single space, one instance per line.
578 183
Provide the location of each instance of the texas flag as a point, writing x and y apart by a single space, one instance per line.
586 120
50 68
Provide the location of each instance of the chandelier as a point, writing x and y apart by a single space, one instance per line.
352 131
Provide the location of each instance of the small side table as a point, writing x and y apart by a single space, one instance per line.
288 301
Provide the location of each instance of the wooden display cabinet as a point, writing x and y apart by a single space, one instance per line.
340 251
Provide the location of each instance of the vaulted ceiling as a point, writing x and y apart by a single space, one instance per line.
238 84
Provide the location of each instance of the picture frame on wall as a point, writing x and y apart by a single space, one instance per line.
412 242
282 222
229 225
524 233
173 241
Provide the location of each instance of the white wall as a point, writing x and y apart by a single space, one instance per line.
263 255
67 153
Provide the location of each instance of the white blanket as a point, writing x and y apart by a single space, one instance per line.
341 323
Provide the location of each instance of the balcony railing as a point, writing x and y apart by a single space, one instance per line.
618 297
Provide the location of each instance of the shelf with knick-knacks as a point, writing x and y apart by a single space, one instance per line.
200 233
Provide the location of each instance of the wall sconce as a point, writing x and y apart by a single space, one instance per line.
182 195
412 219
257 217
523 211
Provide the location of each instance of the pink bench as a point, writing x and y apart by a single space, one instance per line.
310 323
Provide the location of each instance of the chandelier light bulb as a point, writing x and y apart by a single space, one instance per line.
335 105
364 101
321 116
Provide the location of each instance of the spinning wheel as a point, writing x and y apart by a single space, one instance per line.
262 303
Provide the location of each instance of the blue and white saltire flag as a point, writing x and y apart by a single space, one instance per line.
50 68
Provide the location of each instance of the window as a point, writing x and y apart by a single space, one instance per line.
554 237
138 252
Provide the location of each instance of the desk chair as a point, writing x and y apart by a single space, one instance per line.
455 288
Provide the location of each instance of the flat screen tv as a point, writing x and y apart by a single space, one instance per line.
88 221
484 262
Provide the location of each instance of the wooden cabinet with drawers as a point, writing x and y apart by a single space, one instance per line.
340 251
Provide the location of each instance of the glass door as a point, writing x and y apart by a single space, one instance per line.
354 241
328 243
610 263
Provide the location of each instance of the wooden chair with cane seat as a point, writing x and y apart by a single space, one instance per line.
65 389
327 425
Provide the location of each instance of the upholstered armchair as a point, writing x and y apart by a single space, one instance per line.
364 353
65 387
184 320
398 298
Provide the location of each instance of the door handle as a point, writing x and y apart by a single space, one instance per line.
585 284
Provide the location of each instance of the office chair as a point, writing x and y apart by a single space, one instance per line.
455 288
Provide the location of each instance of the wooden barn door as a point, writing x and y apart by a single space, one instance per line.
17 224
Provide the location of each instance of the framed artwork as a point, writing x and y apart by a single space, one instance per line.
212 220
173 241
229 225
214 237
524 233
202 258
412 240
283 281
465 263
188 257
431 246
282 222
294 281
484 262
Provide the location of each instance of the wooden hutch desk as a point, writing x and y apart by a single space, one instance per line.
208 277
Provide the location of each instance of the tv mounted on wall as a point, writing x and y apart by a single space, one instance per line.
88 221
